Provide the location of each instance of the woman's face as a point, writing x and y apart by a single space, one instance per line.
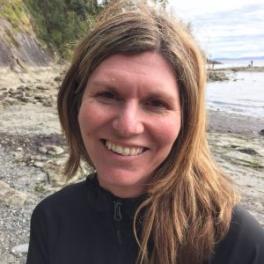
129 118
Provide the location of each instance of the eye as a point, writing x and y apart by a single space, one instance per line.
156 105
107 96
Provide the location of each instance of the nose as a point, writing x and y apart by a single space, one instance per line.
128 121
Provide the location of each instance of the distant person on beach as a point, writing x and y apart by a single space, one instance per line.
132 106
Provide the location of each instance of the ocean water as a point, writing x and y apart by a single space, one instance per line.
244 96
227 63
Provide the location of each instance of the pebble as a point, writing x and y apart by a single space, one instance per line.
15 221
19 250
39 158
51 150
261 132
18 156
31 94
10 196
42 88
39 164
249 151
15 210
42 150
58 79
55 150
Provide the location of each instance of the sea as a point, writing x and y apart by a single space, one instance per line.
244 62
243 94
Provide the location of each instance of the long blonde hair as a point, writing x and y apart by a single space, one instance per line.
189 201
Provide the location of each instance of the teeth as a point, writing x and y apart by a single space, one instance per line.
125 151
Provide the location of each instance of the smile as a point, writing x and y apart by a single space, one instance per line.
124 151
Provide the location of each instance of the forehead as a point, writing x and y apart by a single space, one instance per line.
147 68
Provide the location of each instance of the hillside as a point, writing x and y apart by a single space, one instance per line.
19 45
35 32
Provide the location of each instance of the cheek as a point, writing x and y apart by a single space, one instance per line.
87 123
90 117
83 116
167 131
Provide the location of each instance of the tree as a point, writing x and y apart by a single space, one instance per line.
60 22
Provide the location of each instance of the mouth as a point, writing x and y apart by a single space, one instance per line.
123 150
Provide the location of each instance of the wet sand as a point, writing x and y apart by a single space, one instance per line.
224 122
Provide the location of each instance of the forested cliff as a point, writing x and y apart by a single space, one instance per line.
36 32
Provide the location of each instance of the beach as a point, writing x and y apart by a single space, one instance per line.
237 143
33 151
224 122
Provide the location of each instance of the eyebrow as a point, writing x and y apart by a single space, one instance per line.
151 95
105 84
102 83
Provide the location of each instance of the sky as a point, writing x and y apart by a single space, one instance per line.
225 28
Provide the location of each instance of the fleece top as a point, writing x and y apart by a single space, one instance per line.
85 224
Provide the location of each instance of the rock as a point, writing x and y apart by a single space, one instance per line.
20 250
249 151
217 76
10 101
21 88
55 150
38 164
55 173
51 150
42 88
10 196
40 188
43 150
58 79
24 99
29 89
47 103
54 169
19 156
261 132
39 97
40 158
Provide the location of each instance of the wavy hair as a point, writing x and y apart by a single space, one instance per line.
189 201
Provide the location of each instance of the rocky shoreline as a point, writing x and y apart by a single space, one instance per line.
223 74
33 150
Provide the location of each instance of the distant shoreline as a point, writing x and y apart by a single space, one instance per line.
221 74
241 68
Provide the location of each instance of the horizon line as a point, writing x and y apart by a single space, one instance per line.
238 58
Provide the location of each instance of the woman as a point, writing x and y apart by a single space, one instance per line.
132 106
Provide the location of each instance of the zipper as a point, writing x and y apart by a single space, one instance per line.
118 218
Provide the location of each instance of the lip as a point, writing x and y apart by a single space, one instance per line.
125 145
123 157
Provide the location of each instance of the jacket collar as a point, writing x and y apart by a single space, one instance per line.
103 201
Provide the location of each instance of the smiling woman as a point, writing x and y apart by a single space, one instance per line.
132 106
129 120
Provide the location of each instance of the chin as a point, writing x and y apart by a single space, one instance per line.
122 182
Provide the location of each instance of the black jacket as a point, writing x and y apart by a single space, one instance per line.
84 224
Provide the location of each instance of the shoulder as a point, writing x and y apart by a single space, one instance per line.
70 198
245 224
244 242
245 229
